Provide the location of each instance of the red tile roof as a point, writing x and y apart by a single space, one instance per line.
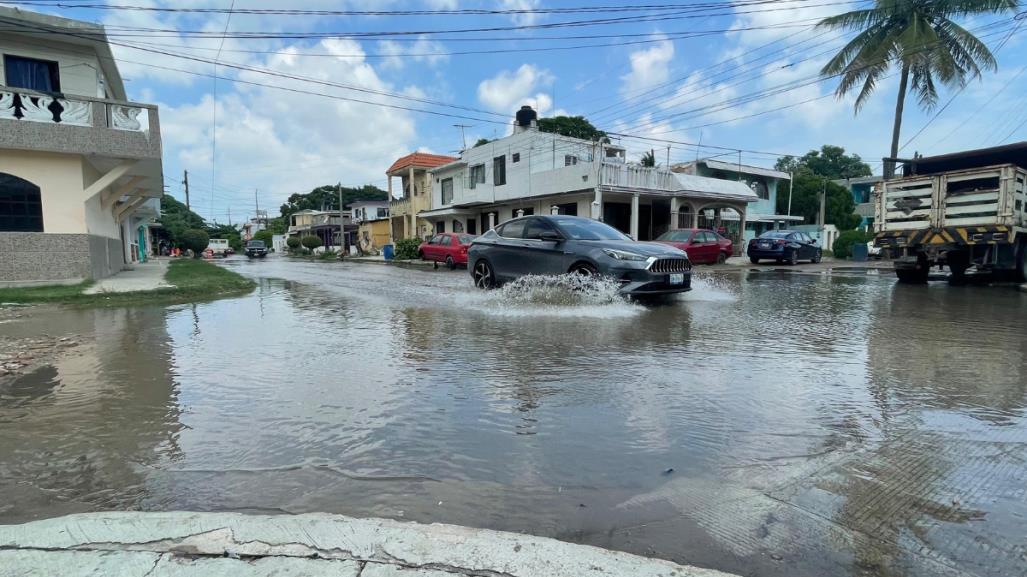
420 160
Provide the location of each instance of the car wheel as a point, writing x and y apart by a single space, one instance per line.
754 260
450 264
721 258
816 257
420 254
484 277
584 269
793 257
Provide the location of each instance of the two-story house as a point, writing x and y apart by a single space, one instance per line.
80 165
764 182
336 230
863 189
414 195
534 172
373 226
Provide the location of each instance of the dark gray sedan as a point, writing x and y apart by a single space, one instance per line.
559 244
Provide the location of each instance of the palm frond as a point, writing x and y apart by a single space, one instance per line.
977 52
922 83
854 20
962 8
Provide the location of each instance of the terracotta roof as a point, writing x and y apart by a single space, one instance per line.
420 160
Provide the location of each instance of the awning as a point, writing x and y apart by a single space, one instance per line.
446 212
714 188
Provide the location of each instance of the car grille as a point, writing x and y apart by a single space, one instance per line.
667 265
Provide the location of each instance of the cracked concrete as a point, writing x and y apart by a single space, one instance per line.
188 544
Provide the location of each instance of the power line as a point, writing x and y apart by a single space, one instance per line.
214 109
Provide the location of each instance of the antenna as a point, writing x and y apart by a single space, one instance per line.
462 137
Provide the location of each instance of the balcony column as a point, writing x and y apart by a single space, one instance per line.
634 216
674 208
492 220
389 178
693 221
716 219
741 230
413 208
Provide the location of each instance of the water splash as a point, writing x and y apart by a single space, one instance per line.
559 295
707 287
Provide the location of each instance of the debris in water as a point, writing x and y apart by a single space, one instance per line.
668 471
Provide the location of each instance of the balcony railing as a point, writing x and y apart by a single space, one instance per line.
637 177
19 104
400 206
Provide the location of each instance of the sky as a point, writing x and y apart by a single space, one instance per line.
288 112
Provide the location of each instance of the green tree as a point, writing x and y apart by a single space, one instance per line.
264 235
228 232
176 219
649 159
806 190
918 36
195 240
293 242
573 127
310 242
480 142
830 162
327 198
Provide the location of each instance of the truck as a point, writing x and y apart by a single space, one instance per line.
218 247
256 249
964 211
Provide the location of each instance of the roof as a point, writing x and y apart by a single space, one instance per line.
716 188
356 203
743 168
420 160
1015 153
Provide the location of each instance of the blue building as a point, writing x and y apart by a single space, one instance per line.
766 183
862 190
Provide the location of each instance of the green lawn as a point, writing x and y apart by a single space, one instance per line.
193 280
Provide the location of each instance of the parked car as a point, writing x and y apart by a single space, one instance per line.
218 247
560 244
784 246
448 247
702 246
256 249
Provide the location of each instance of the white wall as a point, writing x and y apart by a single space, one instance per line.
79 65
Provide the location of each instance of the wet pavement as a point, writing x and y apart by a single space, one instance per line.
765 423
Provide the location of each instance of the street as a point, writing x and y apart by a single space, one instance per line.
764 423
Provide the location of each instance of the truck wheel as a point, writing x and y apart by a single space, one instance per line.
908 276
958 263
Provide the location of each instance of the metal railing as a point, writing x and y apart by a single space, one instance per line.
630 176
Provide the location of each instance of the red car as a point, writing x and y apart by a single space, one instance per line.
448 247
702 246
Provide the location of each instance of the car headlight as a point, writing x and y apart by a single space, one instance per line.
623 255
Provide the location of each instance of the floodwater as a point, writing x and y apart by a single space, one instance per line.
765 423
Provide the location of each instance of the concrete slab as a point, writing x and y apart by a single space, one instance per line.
144 276
181 544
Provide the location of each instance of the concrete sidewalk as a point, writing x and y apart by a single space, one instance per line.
142 276
209 544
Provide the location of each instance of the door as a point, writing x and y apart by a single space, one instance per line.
508 252
445 246
431 250
542 256
709 246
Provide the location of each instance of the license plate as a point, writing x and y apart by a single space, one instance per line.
764 245
677 278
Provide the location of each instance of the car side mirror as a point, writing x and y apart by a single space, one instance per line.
550 236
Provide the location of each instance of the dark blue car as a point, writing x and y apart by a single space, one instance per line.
784 246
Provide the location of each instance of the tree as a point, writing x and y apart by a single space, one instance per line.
293 242
918 36
806 190
264 235
327 198
195 240
573 127
830 162
649 159
227 232
310 242
176 219
480 142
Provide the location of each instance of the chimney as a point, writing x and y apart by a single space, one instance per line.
526 119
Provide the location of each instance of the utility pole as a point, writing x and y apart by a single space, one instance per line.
186 183
823 205
256 204
229 215
462 137
668 157
791 185
342 223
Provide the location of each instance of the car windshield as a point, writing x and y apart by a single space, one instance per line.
776 234
584 229
676 235
466 238
256 244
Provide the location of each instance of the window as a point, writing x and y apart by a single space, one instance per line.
466 239
472 226
458 226
447 191
710 237
499 170
438 237
760 188
21 207
446 240
535 228
39 75
477 176
526 211
384 212
512 229
570 160
585 229
570 208
516 157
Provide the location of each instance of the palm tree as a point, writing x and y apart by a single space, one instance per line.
649 159
921 38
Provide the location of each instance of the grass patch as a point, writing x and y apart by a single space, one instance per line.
193 280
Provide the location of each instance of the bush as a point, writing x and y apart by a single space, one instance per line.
328 255
842 247
195 240
406 248
292 242
310 242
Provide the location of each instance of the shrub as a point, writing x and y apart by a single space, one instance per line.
406 248
842 247
195 240
328 255
292 242
310 242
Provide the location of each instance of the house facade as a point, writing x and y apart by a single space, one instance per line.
335 231
412 195
764 182
373 224
80 165
862 190
533 172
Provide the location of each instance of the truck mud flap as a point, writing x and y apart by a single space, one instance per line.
957 235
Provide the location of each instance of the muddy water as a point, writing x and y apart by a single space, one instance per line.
765 423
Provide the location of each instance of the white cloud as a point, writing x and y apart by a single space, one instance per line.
524 19
649 67
509 90
423 50
442 4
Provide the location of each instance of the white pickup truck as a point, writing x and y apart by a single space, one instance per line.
218 247
963 210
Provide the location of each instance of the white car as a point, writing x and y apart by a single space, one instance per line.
873 251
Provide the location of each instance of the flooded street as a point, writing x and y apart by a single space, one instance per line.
765 423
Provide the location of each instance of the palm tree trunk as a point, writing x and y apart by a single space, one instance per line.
889 165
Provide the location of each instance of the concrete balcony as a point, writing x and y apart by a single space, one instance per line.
633 177
399 207
78 125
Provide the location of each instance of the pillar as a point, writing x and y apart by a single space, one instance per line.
674 208
693 221
413 209
740 248
389 178
554 210
492 220
716 219
634 216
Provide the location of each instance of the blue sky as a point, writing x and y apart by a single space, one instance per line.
649 80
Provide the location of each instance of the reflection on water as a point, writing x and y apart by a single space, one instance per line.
840 423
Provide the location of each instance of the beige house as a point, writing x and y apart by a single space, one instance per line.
80 166
414 195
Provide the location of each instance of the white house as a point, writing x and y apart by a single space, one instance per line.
80 166
534 172
367 210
